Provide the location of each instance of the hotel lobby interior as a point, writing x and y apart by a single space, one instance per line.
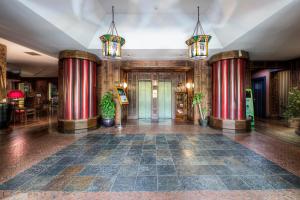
150 99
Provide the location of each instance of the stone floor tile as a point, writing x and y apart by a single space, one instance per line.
146 183
164 160
148 160
128 170
166 170
202 183
292 179
163 152
71 170
169 183
147 170
123 184
16 182
257 182
53 170
58 183
279 183
79 183
221 170
234 183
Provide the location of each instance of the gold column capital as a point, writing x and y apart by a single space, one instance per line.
229 55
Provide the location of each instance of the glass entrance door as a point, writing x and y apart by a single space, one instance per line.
145 98
165 99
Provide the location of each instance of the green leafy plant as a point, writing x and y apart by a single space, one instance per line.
293 106
199 101
108 106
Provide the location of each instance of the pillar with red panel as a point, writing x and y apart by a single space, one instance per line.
228 91
77 91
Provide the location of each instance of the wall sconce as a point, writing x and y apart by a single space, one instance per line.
124 85
154 83
189 85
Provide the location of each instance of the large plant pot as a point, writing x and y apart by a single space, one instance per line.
203 123
108 122
5 112
297 131
294 122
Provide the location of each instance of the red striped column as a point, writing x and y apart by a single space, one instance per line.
218 90
77 93
214 90
232 86
228 90
224 92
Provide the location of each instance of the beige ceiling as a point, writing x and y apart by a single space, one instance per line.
154 29
40 65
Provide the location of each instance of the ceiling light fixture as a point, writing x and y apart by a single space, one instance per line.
32 53
111 42
198 43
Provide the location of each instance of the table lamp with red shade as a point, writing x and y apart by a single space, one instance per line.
15 94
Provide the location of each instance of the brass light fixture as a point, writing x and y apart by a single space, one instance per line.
111 42
198 43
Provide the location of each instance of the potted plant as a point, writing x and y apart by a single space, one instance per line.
292 111
199 100
108 109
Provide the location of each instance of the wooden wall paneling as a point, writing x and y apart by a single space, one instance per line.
248 77
295 73
132 95
60 94
3 66
190 94
110 76
274 100
98 86
135 76
202 82
283 90
156 65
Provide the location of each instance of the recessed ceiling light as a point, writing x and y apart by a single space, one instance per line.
32 53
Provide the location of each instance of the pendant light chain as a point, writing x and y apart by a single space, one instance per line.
198 26
198 42
112 26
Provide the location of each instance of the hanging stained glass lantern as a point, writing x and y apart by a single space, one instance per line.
111 42
198 43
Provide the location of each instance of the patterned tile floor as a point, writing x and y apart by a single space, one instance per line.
146 162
